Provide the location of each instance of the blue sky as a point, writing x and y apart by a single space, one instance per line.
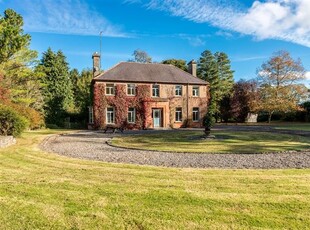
248 31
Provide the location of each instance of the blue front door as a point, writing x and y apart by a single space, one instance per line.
156 118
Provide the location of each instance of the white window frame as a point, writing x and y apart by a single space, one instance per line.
109 90
196 111
131 89
131 112
155 90
195 91
90 115
178 90
108 114
178 114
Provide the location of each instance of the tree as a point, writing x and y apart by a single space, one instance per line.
22 80
4 92
141 57
243 100
82 90
279 79
20 87
58 95
176 62
226 75
215 69
12 38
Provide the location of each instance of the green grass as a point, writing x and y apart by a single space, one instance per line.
294 126
46 191
299 126
239 142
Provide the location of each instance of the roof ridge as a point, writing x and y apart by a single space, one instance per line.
149 72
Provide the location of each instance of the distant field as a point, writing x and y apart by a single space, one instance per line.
45 191
226 142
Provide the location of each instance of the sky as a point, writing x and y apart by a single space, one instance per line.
248 31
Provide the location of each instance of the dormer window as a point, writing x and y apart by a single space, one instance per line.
178 90
155 90
109 89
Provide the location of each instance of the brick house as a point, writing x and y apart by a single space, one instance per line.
141 96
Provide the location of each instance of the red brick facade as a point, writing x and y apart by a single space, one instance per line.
143 110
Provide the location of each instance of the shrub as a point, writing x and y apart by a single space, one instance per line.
35 118
11 123
208 121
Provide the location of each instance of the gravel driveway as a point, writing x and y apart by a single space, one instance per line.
92 145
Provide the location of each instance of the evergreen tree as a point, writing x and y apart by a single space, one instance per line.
226 75
176 62
58 95
82 89
74 76
215 69
12 38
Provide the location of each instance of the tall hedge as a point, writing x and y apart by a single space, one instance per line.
11 123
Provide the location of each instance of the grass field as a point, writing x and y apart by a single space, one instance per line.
301 126
46 191
227 142
293 126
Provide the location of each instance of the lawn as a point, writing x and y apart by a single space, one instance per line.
293 126
299 126
226 142
46 191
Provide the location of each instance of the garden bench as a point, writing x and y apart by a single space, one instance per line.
113 128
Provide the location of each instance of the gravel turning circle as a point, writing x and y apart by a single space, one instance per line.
92 145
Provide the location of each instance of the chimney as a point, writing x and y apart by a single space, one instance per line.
96 64
192 68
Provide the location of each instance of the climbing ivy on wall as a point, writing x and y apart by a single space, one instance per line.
121 102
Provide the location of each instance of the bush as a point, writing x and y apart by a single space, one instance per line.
36 120
208 121
11 123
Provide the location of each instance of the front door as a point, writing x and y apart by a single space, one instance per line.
156 118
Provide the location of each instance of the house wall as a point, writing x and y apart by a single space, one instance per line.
144 102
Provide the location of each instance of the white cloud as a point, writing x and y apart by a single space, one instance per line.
307 75
65 17
287 20
194 40
245 59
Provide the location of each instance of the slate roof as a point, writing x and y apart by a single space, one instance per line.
148 73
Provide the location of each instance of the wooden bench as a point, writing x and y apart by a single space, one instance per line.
113 128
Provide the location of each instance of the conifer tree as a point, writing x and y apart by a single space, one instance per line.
215 69
58 95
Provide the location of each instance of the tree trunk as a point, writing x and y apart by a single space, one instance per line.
269 117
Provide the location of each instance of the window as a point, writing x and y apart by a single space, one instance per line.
110 115
196 91
90 115
178 90
131 117
195 114
178 114
109 89
155 91
131 89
